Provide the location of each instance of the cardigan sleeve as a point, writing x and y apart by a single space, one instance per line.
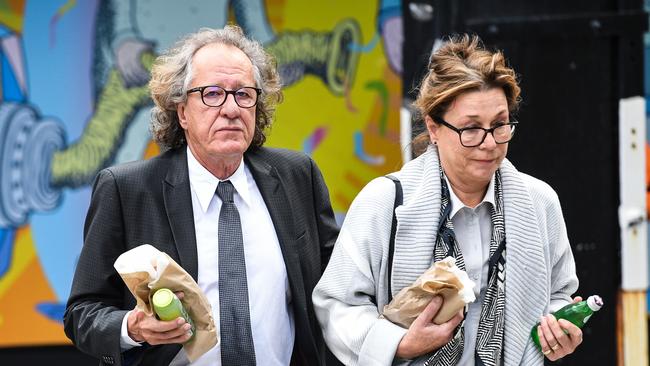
353 287
563 281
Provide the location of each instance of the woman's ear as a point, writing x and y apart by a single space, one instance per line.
432 128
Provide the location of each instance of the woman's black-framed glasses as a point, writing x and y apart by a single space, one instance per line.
215 96
474 136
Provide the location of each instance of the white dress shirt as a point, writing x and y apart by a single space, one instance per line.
473 229
271 315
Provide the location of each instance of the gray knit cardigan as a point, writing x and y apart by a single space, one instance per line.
540 269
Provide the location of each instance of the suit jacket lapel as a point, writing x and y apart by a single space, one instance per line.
277 202
275 197
178 204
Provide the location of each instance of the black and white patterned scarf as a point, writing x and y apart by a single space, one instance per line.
489 341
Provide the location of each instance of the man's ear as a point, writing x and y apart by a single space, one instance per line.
432 128
180 112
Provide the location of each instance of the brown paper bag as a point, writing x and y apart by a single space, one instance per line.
443 278
145 269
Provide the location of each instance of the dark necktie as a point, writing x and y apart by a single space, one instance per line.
235 323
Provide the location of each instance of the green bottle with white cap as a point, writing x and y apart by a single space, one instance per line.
577 313
169 307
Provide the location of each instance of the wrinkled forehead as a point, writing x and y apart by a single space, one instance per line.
221 60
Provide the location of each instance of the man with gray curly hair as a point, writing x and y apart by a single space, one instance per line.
252 225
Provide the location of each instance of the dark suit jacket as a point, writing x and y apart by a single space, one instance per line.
149 202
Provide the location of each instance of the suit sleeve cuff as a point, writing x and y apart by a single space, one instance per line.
126 343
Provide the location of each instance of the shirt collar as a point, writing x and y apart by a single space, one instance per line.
457 204
205 184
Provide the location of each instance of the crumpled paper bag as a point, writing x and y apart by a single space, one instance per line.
443 278
145 269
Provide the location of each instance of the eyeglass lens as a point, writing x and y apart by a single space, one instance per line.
474 136
215 96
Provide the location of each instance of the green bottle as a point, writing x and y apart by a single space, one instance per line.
577 313
169 307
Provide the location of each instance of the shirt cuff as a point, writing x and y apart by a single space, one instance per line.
126 343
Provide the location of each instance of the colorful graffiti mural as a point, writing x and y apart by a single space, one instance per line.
646 87
73 100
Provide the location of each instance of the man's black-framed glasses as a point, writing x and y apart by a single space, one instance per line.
474 136
215 96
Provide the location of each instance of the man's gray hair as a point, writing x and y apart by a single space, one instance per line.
171 75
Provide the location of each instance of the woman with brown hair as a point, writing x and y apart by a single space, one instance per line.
462 198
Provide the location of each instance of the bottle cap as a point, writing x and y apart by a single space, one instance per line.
162 297
594 302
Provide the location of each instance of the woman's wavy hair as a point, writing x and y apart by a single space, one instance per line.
171 75
461 64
